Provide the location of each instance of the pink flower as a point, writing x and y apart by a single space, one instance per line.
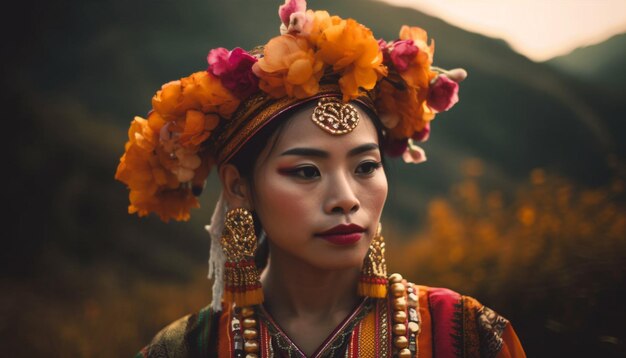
295 20
443 94
402 54
413 154
290 7
234 69
218 61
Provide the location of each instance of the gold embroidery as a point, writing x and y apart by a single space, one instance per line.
384 328
367 333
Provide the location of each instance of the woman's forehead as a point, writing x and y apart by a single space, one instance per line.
302 131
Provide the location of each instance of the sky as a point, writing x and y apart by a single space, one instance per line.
538 29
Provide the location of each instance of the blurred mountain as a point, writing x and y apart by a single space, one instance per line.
597 74
601 64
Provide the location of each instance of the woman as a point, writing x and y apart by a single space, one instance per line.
297 132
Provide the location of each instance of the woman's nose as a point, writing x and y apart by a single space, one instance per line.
341 196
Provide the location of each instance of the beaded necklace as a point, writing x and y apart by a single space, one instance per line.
403 299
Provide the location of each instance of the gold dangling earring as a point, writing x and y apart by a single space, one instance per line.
241 277
373 280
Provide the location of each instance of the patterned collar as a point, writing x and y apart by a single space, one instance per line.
274 339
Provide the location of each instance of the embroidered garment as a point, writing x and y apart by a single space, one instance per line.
451 325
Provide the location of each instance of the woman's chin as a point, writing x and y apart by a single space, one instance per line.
339 261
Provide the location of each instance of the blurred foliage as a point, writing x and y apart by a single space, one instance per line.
551 257
99 311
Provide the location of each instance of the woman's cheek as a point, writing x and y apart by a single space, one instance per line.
377 192
285 200
383 190
289 199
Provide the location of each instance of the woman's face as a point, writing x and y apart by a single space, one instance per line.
320 196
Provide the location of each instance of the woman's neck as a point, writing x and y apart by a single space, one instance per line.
297 289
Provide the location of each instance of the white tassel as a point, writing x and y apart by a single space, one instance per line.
217 257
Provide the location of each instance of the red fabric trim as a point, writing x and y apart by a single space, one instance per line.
443 303
354 341
264 339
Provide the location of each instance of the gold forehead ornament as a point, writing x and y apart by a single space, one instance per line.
334 116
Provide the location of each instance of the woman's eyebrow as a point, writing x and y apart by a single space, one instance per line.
312 152
362 149
306 152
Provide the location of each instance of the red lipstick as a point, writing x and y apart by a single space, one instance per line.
343 234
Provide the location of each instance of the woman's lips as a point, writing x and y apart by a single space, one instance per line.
342 239
343 234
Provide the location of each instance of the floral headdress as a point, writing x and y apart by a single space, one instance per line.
203 119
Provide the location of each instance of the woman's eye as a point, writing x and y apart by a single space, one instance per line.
306 172
367 167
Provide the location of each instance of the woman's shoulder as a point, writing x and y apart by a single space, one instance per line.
188 336
462 325
446 303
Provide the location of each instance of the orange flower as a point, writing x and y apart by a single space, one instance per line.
321 20
168 204
155 121
198 127
418 73
289 67
144 168
208 95
200 91
189 131
139 168
406 110
162 151
167 101
353 51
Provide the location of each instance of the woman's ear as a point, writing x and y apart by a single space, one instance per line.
235 187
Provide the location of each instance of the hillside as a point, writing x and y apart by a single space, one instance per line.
601 64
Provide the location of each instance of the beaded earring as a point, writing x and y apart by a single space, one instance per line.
373 280
241 277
